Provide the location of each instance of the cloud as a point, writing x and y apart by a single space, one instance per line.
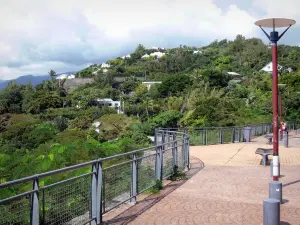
68 35
279 8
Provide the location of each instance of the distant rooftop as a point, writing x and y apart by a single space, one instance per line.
234 74
65 76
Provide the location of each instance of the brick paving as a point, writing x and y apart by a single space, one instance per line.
229 189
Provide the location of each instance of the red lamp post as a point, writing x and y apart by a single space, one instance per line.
274 38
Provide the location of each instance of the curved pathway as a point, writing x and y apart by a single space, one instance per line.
230 189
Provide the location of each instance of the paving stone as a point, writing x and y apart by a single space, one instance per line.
229 189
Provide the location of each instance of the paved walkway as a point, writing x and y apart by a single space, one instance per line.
230 188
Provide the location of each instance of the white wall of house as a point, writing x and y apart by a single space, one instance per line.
150 83
111 103
157 54
126 56
269 67
197 51
145 56
65 76
104 65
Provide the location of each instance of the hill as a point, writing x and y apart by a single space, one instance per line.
63 122
34 80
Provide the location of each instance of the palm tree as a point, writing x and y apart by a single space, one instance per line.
52 74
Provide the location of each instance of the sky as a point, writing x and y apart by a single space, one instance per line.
69 35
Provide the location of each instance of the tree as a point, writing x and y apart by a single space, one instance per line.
52 74
11 98
61 123
129 85
215 77
168 118
174 85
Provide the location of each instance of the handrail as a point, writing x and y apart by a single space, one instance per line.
33 177
98 191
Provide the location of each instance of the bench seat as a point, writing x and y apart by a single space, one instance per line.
264 152
269 138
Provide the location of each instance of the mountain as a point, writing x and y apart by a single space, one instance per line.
34 80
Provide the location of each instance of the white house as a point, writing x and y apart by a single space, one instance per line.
196 52
95 72
104 71
269 67
150 83
65 77
145 56
104 65
157 54
234 74
110 103
126 56
236 77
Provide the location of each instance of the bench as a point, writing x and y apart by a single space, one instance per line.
264 152
269 138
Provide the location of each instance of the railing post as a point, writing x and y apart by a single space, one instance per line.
163 141
187 153
233 135
175 150
133 179
155 136
99 193
34 213
203 137
162 150
221 136
183 151
206 134
158 168
94 194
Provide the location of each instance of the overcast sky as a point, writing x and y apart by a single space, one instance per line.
68 35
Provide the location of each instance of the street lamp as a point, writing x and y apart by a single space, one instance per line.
274 38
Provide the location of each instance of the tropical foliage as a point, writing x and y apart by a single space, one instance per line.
46 127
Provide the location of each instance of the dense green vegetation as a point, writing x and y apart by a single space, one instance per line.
45 127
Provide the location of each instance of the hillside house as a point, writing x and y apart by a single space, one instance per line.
126 56
158 48
105 65
65 77
145 56
235 77
95 72
157 55
197 52
110 103
150 83
269 67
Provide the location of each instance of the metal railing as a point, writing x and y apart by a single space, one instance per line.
223 135
226 135
82 193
